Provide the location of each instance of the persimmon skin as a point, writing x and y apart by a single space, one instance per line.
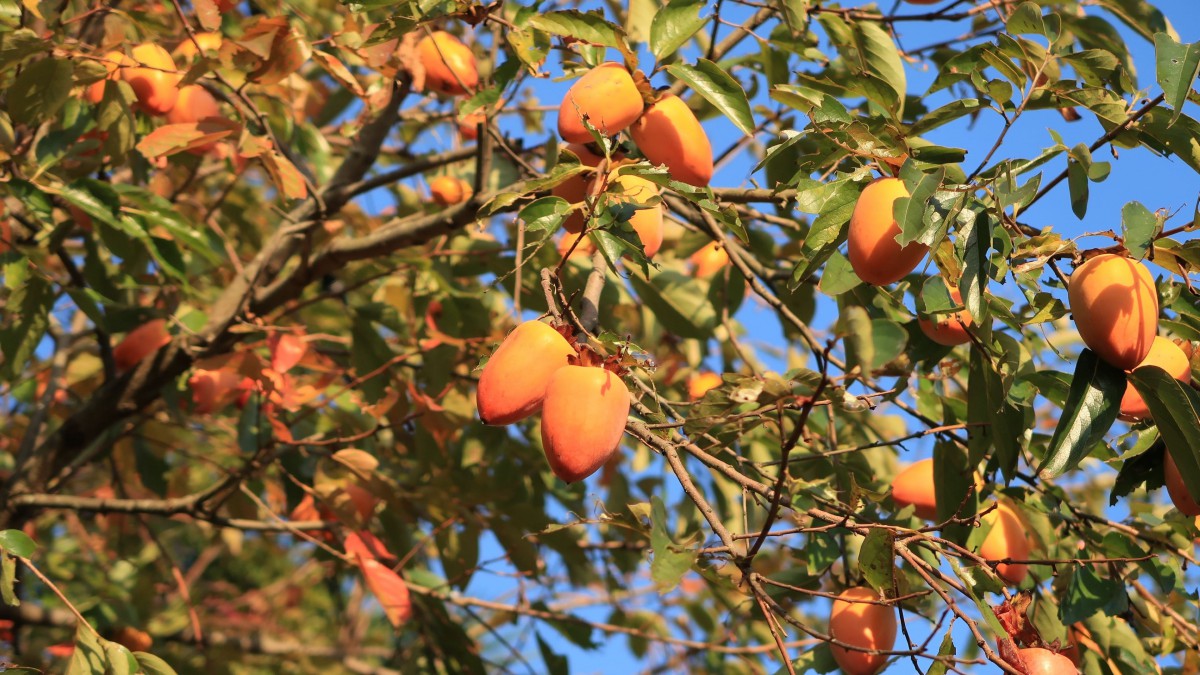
450 66
583 420
156 83
576 188
140 343
133 639
647 222
669 133
187 52
468 126
701 383
864 625
194 104
449 190
112 62
1177 489
874 254
949 330
1115 307
709 260
914 486
607 96
513 382
1040 661
1167 355
1006 539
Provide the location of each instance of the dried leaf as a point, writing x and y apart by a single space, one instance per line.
388 588
175 138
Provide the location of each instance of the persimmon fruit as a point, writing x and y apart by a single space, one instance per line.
113 61
576 188
1167 355
187 51
607 96
583 419
449 190
648 221
1040 661
856 620
701 383
709 260
513 382
669 133
140 343
1006 540
1115 307
914 487
948 329
154 80
874 254
450 66
1177 489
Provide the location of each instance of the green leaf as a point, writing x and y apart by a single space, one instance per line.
909 212
120 660
369 351
1091 408
677 301
252 433
1088 593
718 88
1026 19
40 91
89 656
890 339
953 478
1178 65
839 276
1138 227
8 578
25 322
881 57
876 560
152 665
854 324
944 115
18 45
936 154
1175 408
674 25
670 563
1140 469
545 214
946 649
556 664
590 27
1077 181
16 542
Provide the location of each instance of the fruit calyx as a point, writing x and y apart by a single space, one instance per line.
591 358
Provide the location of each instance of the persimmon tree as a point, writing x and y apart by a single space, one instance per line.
242 346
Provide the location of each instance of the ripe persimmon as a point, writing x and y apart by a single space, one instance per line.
1006 540
607 96
1115 307
583 419
187 51
874 253
576 188
468 125
701 383
709 260
914 487
140 343
857 620
450 66
513 382
112 61
1040 661
154 80
449 190
1167 355
1177 489
648 221
669 133
948 329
